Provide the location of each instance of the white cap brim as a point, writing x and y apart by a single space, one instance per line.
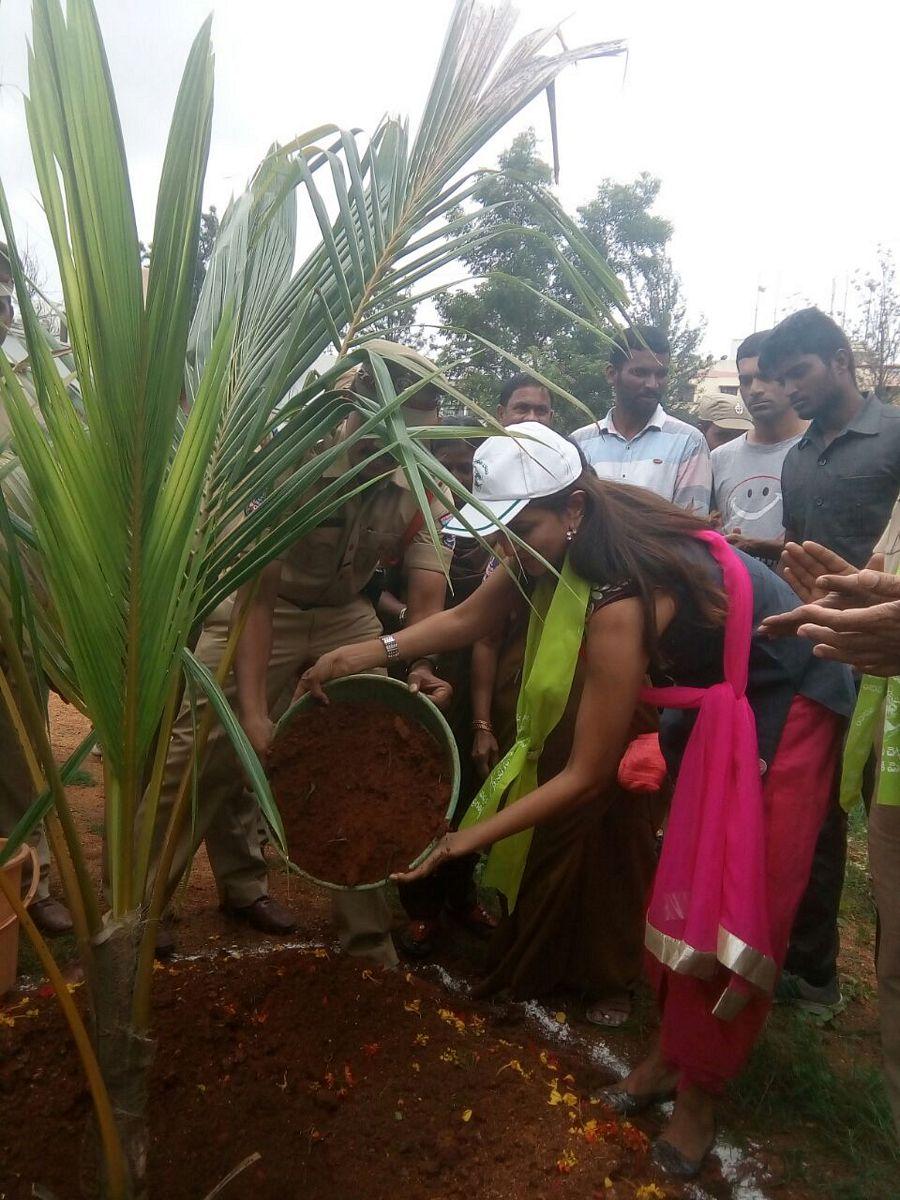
472 520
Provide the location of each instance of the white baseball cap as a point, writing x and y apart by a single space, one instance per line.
509 470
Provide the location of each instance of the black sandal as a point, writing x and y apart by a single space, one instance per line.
629 1104
670 1160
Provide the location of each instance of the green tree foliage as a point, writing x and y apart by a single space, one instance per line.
619 223
875 332
206 241
209 231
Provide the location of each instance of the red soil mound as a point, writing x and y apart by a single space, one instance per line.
349 1082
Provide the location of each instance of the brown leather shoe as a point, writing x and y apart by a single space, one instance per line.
418 939
476 919
52 918
264 914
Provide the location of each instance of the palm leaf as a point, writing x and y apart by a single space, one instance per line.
137 507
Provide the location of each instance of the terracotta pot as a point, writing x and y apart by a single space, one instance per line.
9 922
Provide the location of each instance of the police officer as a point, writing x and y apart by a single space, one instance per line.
308 601
16 789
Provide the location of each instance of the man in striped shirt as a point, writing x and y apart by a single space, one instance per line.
637 441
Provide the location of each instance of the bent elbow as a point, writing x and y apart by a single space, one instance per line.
586 781
581 789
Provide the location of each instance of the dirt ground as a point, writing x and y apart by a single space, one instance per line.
808 1120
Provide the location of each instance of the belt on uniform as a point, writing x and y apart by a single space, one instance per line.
320 604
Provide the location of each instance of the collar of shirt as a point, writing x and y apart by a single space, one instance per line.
656 422
867 422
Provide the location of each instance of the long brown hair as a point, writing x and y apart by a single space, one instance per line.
631 535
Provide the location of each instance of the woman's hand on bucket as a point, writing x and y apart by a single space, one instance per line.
451 845
332 665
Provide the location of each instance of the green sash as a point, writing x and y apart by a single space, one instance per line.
555 633
877 708
879 701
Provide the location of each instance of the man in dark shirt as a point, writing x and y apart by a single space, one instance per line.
840 481
839 484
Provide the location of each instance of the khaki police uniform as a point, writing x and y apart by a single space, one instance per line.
319 608
16 795
16 787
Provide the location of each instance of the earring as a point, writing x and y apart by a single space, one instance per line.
570 535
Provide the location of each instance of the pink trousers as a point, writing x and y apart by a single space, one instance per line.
800 784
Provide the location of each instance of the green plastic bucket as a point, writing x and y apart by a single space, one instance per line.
383 692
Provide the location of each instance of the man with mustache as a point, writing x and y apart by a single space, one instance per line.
839 484
637 441
747 471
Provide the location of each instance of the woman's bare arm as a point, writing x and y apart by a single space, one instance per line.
616 669
480 615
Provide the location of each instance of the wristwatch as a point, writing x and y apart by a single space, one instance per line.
391 649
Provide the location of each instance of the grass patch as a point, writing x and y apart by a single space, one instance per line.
791 1084
857 904
81 779
836 1104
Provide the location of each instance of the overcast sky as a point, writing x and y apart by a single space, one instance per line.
771 124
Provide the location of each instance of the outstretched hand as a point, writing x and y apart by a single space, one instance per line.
842 594
864 631
329 666
806 566
448 847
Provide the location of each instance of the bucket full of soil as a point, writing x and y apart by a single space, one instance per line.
366 784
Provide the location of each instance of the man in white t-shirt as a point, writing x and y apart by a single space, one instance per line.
747 470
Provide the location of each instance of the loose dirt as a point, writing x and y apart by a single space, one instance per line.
44 1102
347 1081
362 791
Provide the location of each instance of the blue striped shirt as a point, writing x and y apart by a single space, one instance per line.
667 456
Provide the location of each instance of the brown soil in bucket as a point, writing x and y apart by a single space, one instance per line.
362 791
351 1083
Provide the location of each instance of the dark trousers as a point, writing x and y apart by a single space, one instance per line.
815 939
451 885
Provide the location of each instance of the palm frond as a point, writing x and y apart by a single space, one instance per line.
195 453
381 235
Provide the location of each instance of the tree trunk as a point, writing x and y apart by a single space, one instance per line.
125 1058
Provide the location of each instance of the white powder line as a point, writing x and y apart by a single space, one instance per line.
738 1167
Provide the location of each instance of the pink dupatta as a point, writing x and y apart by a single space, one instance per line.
709 906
